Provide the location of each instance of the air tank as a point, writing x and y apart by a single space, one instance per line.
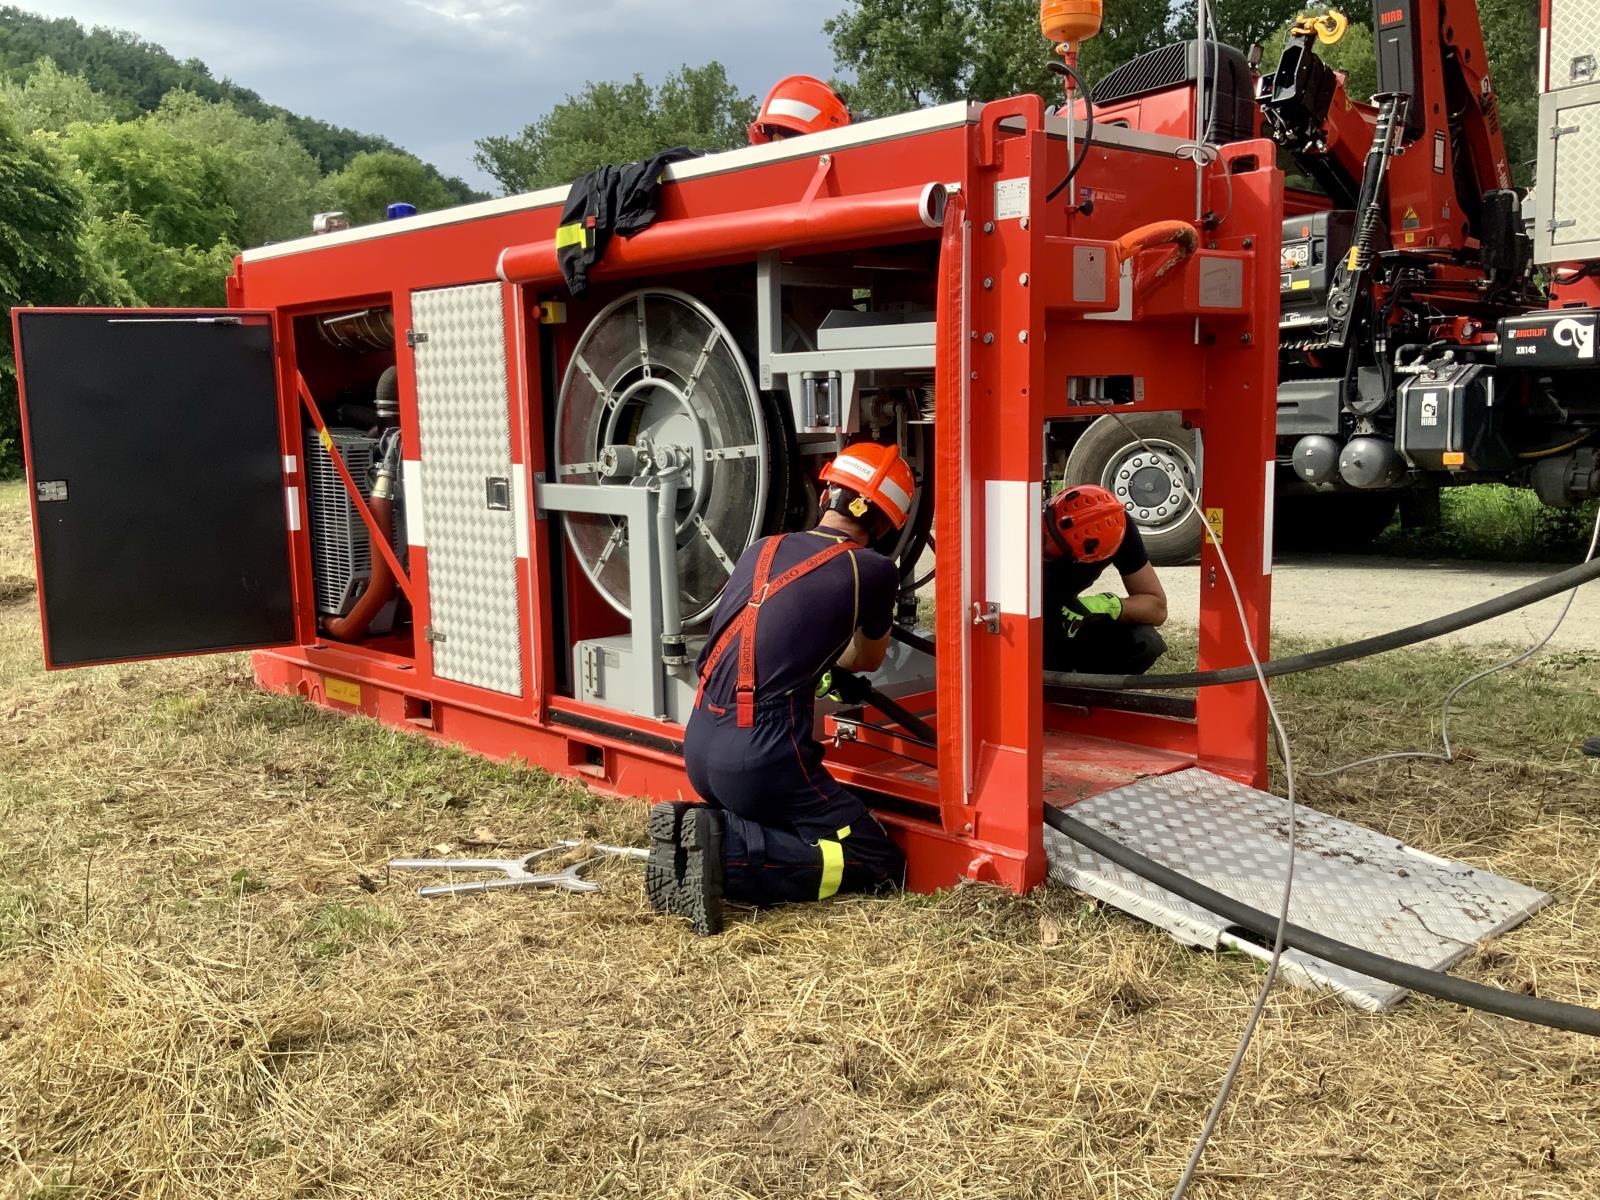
1371 463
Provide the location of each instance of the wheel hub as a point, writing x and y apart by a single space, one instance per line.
1152 482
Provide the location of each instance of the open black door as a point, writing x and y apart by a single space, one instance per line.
155 464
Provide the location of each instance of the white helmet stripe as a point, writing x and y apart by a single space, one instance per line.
798 109
896 495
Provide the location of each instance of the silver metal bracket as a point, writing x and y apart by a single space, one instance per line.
986 613
415 337
431 635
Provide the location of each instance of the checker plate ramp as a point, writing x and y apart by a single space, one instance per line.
1350 882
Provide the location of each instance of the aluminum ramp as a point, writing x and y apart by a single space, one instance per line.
1351 883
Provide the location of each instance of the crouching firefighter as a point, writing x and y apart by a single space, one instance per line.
1086 529
775 826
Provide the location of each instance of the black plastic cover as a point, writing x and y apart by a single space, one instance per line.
156 465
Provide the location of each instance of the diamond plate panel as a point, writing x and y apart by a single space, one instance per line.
1575 191
1574 43
464 421
1350 883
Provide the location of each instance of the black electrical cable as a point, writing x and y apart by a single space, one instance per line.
1066 68
1532 593
903 717
1574 1018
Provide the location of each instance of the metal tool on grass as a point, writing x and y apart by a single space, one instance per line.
514 872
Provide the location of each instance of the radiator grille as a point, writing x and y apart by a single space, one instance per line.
341 549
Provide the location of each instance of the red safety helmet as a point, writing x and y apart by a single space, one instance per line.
1084 523
877 474
798 105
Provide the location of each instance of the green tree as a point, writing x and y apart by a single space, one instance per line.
159 218
900 55
43 218
1511 36
134 75
373 181
618 123
50 99
270 179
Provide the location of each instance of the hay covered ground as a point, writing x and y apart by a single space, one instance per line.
209 988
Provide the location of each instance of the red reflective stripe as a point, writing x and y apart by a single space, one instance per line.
743 626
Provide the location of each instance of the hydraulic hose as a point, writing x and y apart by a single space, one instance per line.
915 640
1574 1018
903 717
1532 593
352 627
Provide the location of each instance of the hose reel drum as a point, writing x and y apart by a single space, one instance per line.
658 394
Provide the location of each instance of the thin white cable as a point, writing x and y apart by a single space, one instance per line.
1281 736
1449 754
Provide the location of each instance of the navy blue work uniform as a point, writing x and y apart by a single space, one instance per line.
1104 647
791 831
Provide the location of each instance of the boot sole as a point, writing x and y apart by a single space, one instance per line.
699 892
665 864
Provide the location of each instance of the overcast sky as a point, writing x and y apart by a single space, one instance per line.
433 75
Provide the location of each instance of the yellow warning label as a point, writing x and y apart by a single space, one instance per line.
1411 239
1410 220
1214 519
1353 259
327 442
1300 285
343 691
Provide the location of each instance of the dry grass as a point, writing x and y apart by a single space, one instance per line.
208 988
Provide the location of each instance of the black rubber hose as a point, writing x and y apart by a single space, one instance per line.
903 717
1574 1018
915 640
1542 589
1064 68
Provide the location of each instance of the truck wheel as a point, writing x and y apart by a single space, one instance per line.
1149 482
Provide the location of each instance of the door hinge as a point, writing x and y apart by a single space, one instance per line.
432 635
1557 226
1558 132
415 337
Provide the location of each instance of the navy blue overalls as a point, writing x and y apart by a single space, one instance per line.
792 833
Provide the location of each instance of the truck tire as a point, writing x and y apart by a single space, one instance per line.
1110 455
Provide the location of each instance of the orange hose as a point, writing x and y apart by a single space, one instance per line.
1182 236
352 626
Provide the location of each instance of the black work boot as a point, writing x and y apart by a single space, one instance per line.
699 895
665 864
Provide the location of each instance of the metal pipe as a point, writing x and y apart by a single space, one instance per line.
672 644
737 235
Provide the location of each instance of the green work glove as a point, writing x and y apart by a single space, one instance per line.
825 688
845 687
1090 610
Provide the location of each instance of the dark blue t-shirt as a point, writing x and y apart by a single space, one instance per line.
803 629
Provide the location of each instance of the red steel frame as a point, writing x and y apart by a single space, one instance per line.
1014 295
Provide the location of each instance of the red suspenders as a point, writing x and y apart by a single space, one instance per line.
743 626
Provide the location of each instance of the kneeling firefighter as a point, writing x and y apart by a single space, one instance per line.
1086 529
775 826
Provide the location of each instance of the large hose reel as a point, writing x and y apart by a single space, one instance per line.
658 394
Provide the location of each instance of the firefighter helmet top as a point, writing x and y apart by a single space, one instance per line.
1084 523
798 105
878 476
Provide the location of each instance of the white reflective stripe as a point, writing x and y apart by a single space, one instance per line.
1266 520
896 495
519 506
848 465
1035 550
411 480
798 109
291 464
292 499
1011 574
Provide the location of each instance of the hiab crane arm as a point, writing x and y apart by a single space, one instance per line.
1450 152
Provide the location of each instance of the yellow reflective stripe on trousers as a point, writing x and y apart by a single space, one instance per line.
571 235
832 865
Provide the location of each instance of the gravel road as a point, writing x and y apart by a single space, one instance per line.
1342 598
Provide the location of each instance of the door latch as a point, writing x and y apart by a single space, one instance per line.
497 493
986 614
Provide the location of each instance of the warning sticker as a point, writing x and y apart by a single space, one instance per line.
343 691
1010 199
1214 519
1410 220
